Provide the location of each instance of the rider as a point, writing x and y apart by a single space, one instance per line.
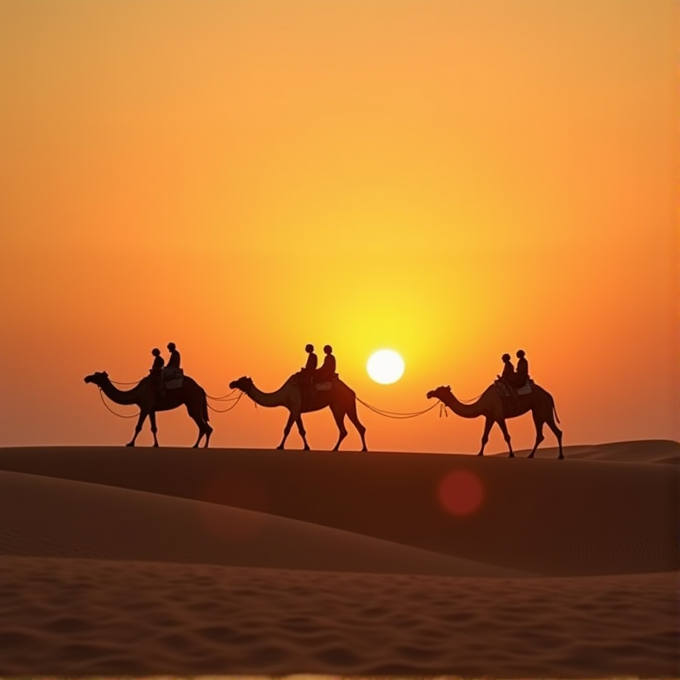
307 372
156 371
522 374
174 360
327 370
508 375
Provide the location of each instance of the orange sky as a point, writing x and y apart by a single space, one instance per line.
450 178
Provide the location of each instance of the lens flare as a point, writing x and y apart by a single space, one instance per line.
461 492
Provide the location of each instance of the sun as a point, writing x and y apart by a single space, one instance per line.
385 366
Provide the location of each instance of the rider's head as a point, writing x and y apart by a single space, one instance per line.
520 353
155 351
328 349
171 346
505 358
309 348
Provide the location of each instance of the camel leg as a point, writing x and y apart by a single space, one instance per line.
354 418
208 431
340 422
204 429
292 417
301 430
138 427
154 429
538 422
506 436
488 424
558 434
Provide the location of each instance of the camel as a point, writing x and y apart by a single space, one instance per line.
144 395
496 409
340 399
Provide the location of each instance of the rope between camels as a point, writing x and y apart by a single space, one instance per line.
134 415
394 414
226 397
224 410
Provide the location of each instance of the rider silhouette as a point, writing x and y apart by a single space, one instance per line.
508 375
156 371
307 373
174 360
522 374
327 370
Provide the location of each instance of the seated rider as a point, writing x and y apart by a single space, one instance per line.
522 374
307 373
327 370
156 371
174 360
508 374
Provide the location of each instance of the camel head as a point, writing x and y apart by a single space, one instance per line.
244 384
97 378
440 393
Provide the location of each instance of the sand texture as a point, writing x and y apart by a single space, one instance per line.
265 563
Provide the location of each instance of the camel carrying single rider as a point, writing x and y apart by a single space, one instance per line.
156 371
327 370
522 373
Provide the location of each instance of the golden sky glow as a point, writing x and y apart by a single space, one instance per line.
450 178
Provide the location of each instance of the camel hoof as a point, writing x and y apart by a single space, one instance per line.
130 444
279 448
531 455
512 455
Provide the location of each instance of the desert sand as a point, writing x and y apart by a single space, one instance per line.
243 563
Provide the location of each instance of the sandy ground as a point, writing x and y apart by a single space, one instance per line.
266 563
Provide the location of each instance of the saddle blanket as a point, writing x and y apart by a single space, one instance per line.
323 386
525 389
505 392
173 378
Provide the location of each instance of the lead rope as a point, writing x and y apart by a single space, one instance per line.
394 414
120 415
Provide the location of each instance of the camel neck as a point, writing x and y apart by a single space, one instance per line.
267 399
463 410
119 396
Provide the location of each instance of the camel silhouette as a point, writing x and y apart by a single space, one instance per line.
340 399
491 405
145 395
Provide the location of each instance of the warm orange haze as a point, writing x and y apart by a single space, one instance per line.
414 194
449 179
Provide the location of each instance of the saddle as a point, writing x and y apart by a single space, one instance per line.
505 392
173 378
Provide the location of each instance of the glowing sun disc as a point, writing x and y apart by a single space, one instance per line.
385 366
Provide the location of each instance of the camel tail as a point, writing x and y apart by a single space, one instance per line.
555 412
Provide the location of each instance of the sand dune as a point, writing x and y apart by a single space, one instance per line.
246 562
46 517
